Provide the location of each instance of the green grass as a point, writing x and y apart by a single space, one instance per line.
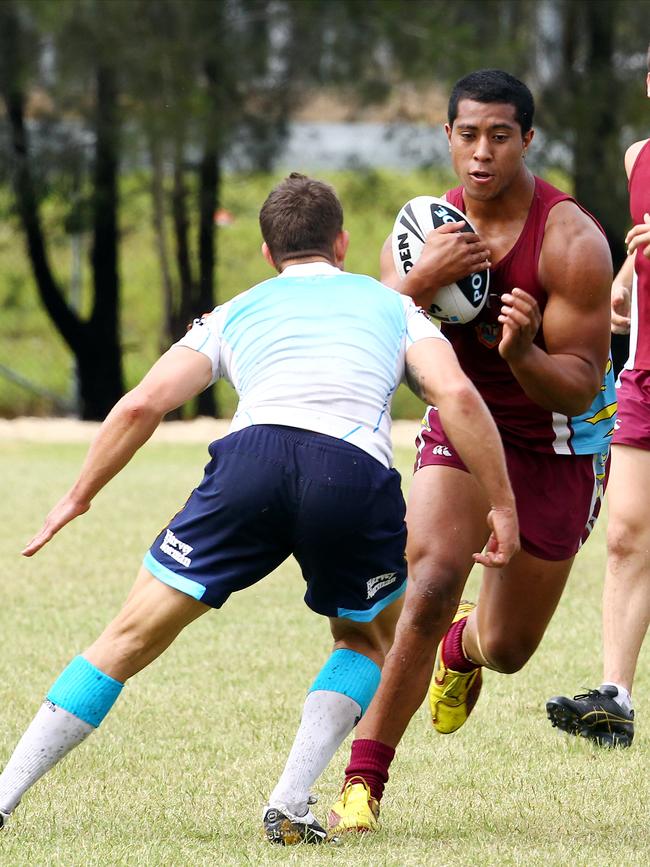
179 771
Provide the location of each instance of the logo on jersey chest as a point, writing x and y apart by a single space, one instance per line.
488 333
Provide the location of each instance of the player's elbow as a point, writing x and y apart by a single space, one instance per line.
138 408
459 394
578 400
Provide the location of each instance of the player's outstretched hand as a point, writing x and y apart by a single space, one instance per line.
450 254
639 237
503 543
65 511
520 317
621 309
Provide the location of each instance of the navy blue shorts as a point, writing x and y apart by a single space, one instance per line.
270 491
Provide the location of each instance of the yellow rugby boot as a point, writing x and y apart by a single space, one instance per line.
355 810
453 694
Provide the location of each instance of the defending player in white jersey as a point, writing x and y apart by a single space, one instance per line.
315 355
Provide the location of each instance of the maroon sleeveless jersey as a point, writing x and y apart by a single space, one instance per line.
639 205
520 420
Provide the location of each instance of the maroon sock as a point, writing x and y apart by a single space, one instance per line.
452 648
370 760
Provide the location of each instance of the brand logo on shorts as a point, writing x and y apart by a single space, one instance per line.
441 449
379 581
176 549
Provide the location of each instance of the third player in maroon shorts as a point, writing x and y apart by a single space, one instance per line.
632 426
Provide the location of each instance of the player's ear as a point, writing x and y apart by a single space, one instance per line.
648 84
341 243
267 255
448 131
528 137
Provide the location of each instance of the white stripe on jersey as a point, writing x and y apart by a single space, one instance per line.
634 324
562 434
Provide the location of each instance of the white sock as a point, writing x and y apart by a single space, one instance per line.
327 719
623 698
51 735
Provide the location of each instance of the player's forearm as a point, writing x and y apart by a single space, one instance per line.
560 383
474 435
127 427
625 275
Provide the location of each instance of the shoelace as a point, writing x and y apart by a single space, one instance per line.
591 693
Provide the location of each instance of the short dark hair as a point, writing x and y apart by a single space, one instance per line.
301 217
494 85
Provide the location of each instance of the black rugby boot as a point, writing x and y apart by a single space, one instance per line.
594 715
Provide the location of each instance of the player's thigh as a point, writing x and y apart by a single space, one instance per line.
373 638
516 604
350 535
628 499
446 521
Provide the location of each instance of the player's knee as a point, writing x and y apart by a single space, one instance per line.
507 653
623 540
431 603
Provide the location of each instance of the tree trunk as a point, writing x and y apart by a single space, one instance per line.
597 156
160 236
95 344
183 311
98 395
209 183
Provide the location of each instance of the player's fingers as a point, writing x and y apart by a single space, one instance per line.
491 559
515 317
637 238
446 228
37 542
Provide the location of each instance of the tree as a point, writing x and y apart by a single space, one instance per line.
94 341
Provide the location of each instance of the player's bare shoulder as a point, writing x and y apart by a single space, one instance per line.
575 256
632 153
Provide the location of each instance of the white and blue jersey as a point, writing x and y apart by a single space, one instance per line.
315 356
315 348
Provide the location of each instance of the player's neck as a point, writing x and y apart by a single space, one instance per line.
306 260
513 200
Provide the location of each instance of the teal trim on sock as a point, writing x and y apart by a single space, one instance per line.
85 691
351 674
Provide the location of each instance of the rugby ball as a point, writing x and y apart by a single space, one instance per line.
459 302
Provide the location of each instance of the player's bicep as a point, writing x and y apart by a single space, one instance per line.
178 375
576 271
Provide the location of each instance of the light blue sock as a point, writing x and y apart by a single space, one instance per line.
350 673
85 691
337 699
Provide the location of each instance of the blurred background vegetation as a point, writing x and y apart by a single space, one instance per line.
138 139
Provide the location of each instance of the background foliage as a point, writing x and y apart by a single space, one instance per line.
129 123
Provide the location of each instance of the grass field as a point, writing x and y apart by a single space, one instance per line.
181 767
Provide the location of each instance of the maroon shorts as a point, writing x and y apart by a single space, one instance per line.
558 496
632 427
